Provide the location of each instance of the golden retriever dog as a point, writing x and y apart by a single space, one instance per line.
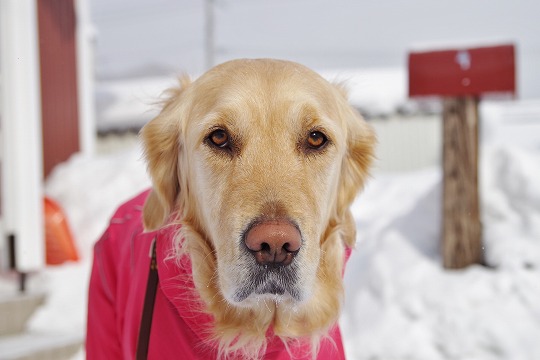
259 160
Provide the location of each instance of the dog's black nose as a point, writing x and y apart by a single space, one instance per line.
274 242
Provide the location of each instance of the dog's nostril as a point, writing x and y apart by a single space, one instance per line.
265 247
273 242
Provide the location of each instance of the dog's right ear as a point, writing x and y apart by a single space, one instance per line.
162 144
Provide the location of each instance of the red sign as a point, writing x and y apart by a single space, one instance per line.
462 71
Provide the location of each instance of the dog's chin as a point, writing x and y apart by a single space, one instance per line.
274 291
256 298
278 292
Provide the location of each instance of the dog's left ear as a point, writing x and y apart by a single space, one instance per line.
359 155
162 144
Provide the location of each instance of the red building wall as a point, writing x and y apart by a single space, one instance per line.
58 62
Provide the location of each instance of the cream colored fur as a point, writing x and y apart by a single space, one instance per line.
269 108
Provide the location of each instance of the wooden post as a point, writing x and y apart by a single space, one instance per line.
462 231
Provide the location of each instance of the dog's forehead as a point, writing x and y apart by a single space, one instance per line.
261 87
269 68
262 79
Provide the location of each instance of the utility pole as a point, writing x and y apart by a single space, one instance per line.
209 33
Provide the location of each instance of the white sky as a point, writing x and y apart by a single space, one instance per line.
156 36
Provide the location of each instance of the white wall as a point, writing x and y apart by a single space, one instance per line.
20 106
407 144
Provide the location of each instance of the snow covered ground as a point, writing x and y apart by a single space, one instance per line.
400 303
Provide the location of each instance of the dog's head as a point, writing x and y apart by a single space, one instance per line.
260 160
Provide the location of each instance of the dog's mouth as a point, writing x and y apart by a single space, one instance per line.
280 282
270 288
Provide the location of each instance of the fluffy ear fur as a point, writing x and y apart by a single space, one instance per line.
162 144
361 142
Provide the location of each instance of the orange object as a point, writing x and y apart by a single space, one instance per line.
59 242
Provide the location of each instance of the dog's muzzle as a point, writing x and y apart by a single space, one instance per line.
272 246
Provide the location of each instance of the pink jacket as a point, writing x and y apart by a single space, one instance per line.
117 290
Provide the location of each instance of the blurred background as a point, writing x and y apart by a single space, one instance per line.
78 79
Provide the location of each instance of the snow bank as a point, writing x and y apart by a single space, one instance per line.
89 190
381 92
511 205
129 103
401 304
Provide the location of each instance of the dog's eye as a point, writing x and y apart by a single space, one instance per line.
219 138
316 140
